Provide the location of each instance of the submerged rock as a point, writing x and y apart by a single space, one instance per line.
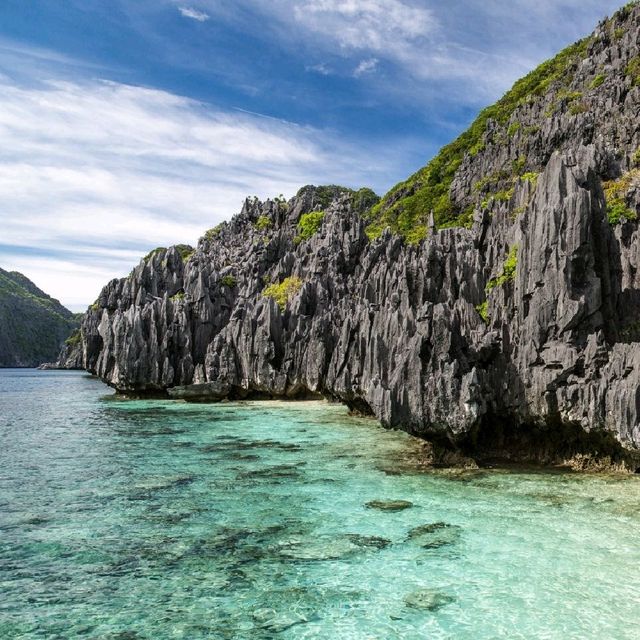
36 520
124 635
389 505
279 621
273 474
163 482
428 599
330 547
435 535
320 548
372 542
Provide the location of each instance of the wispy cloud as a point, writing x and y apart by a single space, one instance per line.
466 52
322 68
407 34
374 25
19 59
365 66
103 172
194 14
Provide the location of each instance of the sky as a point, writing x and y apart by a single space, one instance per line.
131 124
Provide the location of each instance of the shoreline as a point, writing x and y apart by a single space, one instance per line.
595 452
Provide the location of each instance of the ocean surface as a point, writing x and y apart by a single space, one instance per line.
155 519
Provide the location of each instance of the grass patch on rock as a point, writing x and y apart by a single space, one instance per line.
284 291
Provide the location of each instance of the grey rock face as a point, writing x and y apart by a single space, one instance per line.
393 329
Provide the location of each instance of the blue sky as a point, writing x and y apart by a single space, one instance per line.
131 124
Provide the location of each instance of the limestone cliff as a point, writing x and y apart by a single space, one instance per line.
492 301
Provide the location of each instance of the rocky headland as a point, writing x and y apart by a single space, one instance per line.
490 303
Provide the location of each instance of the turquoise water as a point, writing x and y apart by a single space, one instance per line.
152 519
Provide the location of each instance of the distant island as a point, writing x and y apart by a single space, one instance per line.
34 326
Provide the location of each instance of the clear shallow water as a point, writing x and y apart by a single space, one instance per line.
151 519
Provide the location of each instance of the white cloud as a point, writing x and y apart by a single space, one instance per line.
322 68
374 25
468 53
365 66
95 174
194 14
393 29
409 34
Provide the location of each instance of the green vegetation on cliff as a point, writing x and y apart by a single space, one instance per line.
406 207
283 292
508 270
615 192
483 310
308 225
185 251
362 200
210 234
263 223
74 339
33 326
